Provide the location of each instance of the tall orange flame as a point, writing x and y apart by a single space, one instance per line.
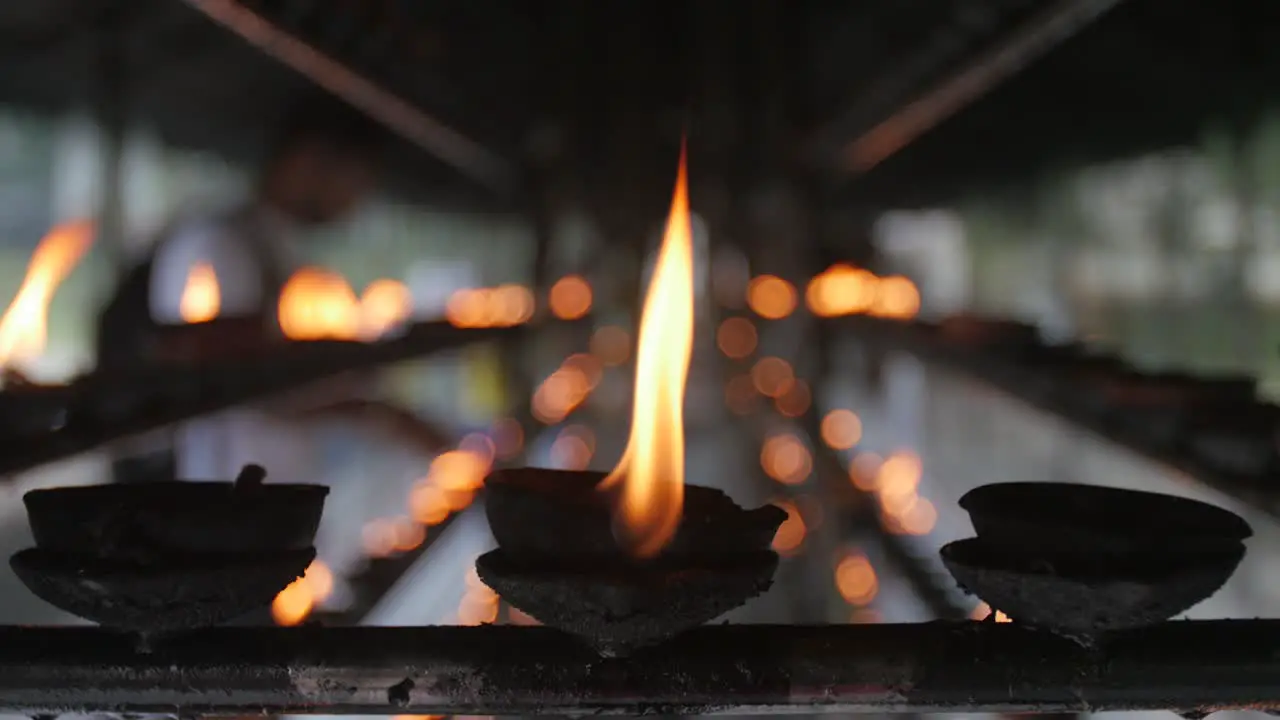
649 479
24 326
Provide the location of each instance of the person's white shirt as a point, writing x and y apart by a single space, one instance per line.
216 447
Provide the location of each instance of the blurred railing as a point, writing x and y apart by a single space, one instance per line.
968 433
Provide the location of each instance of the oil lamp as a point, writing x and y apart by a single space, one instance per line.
1081 560
164 557
631 557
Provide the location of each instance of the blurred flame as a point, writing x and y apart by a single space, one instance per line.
318 304
790 535
896 298
201 298
841 429
649 478
384 305
856 579
570 297
841 290
24 326
736 337
845 290
771 297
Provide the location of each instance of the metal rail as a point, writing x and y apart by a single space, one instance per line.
727 669
177 392
411 123
1256 492
1021 47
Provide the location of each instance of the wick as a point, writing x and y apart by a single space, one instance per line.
250 477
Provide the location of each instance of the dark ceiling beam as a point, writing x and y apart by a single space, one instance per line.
450 146
1007 56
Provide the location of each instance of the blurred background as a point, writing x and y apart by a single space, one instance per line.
1107 171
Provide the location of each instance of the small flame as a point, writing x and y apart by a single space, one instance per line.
318 304
201 298
651 471
24 326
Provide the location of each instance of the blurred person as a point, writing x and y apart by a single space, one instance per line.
322 165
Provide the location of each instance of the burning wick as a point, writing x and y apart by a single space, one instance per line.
649 480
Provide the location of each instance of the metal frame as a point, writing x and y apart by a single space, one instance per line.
449 145
1021 47
202 388
913 339
728 669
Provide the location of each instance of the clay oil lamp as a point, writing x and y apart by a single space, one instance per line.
630 558
159 558
1081 560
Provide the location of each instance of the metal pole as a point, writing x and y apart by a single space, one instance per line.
726 669
413 124
1020 48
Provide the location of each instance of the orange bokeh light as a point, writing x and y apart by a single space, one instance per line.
772 376
502 306
293 604
896 298
570 297
318 304
771 297
795 400
384 305
841 290
864 471
790 535
736 337
856 579
841 429
785 458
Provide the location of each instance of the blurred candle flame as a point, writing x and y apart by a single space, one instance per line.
24 325
384 305
319 304
649 479
201 297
